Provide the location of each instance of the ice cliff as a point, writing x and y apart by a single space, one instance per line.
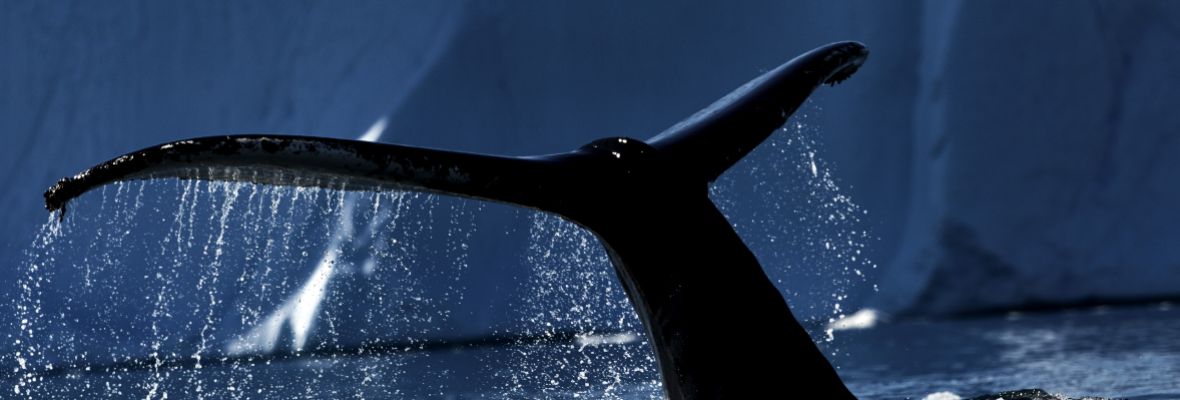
1010 154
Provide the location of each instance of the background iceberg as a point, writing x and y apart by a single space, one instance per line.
1010 155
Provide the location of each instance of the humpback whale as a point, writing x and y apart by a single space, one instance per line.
700 293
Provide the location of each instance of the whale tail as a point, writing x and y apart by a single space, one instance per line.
709 142
287 160
691 279
702 146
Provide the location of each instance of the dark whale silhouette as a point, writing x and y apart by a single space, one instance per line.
701 294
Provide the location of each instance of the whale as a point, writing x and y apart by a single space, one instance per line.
717 325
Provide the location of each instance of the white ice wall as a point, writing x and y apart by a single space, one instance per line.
1045 157
1008 152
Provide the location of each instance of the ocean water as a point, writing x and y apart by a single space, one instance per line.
1124 352
1127 353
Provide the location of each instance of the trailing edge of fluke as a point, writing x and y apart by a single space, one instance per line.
718 326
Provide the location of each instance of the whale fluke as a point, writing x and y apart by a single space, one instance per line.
316 162
715 138
719 327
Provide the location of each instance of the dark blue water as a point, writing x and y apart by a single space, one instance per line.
1125 353
1129 352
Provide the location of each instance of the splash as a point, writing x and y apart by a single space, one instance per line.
157 288
787 205
165 288
299 311
572 288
